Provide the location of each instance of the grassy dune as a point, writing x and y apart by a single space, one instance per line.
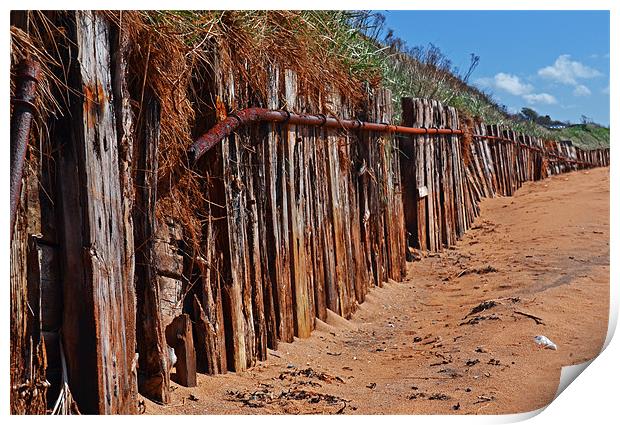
585 136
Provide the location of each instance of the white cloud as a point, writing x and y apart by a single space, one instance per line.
540 98
581 90
566 71
513 110
506 82
512 84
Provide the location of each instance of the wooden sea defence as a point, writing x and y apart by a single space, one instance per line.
445 177
436 195
300 222
313 219
112 296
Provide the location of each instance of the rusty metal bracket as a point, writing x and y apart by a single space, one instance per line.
24 110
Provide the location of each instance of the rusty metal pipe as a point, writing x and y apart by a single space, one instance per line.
505 139
254 115
28 75
533 148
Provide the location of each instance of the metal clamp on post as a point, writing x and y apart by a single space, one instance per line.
25 105
235 116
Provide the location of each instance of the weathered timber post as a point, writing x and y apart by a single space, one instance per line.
413 116
98 303
154 367
277 220
296 196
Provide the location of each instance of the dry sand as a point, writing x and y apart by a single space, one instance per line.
409 350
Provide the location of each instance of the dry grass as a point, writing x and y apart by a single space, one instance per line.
160 65
40 39
175 54
40 42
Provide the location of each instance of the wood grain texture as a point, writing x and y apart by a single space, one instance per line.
154 366
179 336
27 365
97 303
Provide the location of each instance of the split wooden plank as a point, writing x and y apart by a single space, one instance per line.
409 176
489 160
326 214
27 356
430 161
277 220
446 183
477 176
263 228
204 338
304 320
210 340
347 206
398 229
238 304
393 223
457 171
307 149
255 259
125 127
237 286
337 219
365 175
481 167
377 193
154 364
317 223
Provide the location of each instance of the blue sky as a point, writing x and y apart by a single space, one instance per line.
556 62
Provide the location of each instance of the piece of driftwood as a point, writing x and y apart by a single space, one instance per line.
537 319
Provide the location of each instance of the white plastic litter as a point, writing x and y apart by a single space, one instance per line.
545 342
172 355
